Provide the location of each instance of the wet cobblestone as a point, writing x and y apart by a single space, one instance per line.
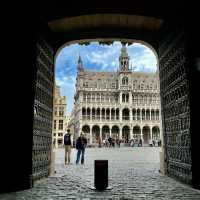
133 174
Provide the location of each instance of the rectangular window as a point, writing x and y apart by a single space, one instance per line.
61 111
60 134
54 124
60 126
85 84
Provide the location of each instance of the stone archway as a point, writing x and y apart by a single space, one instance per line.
155 133
95 134
86 132
125 114
105 132
126 133
146 135
136 132
115 132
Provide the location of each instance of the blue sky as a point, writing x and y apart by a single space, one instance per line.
99 58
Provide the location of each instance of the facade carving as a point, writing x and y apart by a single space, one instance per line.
122 104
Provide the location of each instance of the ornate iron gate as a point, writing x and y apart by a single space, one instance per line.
175 106
43 110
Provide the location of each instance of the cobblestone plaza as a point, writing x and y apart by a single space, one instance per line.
133 174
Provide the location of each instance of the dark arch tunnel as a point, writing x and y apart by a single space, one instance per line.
162 29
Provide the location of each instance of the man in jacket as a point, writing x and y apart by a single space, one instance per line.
81 144
68 145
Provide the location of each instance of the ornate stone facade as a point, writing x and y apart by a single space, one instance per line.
123 104
59 118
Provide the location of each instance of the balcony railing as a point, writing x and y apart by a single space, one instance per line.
125 118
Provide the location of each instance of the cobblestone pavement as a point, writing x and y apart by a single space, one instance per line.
133 174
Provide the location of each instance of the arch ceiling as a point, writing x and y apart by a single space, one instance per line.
140 20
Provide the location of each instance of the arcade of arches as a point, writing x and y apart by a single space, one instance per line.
96 132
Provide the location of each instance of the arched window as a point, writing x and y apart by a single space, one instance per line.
125 98
125 81
125 114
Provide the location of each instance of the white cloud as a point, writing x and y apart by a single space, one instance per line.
101 58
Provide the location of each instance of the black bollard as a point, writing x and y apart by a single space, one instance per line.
101 174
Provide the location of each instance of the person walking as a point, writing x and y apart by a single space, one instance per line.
68 145
81 144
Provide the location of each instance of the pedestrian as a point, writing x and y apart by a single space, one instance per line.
68 145
110 141
140 142
81 144
99 142
159 142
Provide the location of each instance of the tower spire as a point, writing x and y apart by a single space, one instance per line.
124 59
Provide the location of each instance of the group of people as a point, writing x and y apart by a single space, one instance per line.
110 142
136 142
81 144
154 143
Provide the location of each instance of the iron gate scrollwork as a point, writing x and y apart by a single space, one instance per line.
175 106
43 110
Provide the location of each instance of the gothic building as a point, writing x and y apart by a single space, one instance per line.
122 104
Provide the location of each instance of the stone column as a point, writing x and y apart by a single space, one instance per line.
131 133
120 114
151 132
90 135
120 133
110 131
100 133
130 98
141 134
120 97
150 114
110 114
